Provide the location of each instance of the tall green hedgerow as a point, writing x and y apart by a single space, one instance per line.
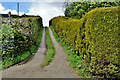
102 35
95 38
20 41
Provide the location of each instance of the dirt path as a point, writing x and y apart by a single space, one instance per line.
59 68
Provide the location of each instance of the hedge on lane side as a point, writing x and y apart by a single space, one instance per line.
95 37
102 34
19 40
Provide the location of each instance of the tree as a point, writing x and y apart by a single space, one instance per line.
78 9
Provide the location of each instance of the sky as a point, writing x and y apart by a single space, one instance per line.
46 9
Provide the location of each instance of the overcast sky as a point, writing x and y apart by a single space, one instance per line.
46 10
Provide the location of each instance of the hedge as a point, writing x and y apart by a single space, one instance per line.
20 40
102 34
95 37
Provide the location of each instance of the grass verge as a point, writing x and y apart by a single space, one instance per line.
39 37
75 61
50 49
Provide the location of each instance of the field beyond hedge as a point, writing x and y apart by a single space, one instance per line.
94 37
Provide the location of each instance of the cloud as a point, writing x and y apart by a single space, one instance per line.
1 8
32 0
5 11
46 10
12 12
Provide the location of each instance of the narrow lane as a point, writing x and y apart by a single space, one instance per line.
59 68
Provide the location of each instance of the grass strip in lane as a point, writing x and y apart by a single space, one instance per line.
50 49
75 61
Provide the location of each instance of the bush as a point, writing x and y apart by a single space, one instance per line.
19 41
95 37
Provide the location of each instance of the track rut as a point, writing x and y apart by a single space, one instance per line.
58 68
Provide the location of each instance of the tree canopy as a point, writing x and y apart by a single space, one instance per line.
79 9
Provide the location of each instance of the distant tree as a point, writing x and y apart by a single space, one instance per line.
78 9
